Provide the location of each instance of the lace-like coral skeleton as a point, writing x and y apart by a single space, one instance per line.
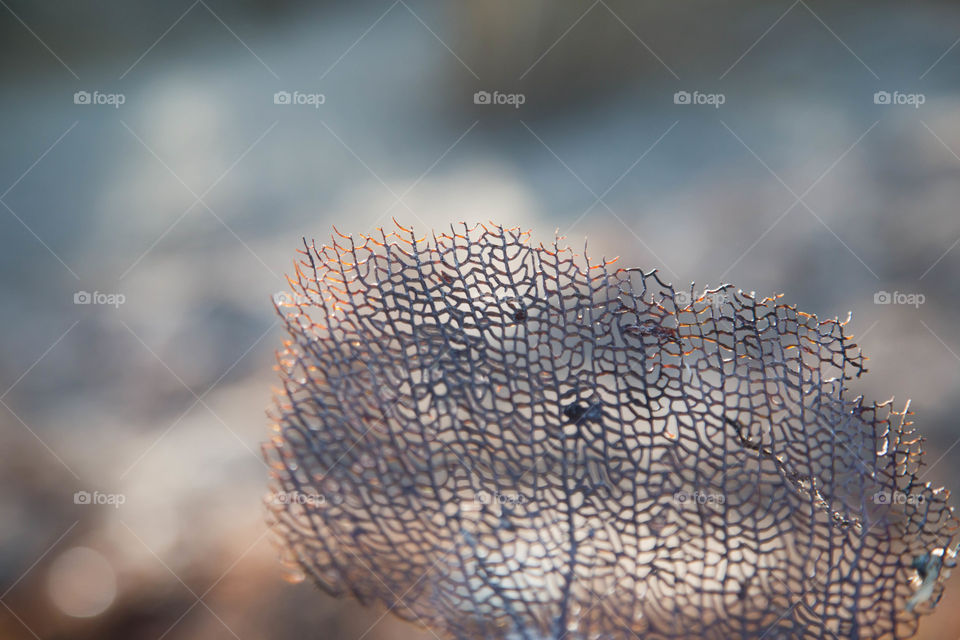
496 439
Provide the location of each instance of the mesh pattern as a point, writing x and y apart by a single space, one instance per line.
501 440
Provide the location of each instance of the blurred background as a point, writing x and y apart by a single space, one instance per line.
161 162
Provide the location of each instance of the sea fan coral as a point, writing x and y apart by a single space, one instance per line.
501 440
